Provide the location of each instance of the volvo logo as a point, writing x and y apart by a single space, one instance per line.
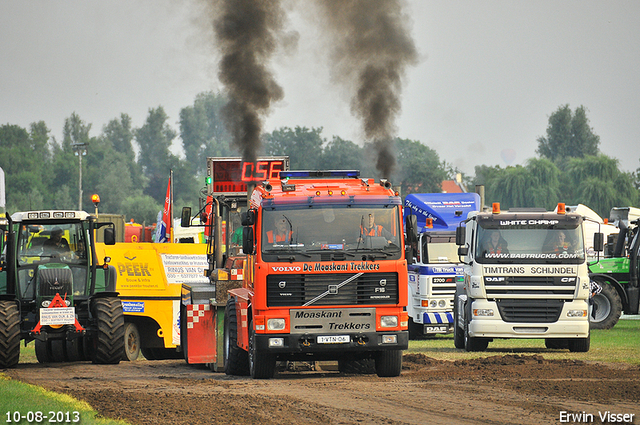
383 282
282 284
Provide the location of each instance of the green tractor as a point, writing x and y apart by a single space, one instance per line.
615 279
54 291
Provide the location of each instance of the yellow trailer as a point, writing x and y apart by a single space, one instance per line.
149 280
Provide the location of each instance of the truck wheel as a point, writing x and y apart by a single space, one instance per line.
473 343
415 329
388 363
357 366
261 365
9 334
556 343
148 353
108 341
458 332
131 342
236 360
608 307
580 345
43 351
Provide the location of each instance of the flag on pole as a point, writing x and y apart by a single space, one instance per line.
163 228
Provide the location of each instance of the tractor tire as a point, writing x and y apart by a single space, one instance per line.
74 350
108 341
580 345
388 363
236 360
131 342
43 351
9 334
357 366
261 365
58 354
608 308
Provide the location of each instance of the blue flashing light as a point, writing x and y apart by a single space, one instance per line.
319 173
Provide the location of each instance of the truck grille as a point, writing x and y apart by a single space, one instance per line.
443 287
530 311
55 281
297 289
530 287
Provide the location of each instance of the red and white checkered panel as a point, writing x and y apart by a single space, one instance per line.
195 312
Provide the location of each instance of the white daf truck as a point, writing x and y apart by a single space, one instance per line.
525 276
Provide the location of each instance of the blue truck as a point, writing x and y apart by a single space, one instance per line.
435 268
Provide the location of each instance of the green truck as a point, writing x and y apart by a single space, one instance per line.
614 280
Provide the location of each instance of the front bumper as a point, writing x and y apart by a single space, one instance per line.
308 343
495 327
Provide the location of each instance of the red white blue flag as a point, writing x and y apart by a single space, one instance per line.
163 228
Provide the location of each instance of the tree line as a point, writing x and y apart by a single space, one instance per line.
129 167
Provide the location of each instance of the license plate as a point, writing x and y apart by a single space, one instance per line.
334 339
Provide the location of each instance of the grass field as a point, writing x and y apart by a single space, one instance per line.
620 344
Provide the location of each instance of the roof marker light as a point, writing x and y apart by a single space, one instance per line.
496 207
561 208
429 223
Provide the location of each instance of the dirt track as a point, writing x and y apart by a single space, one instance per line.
492 390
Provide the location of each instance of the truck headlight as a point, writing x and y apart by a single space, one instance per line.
577 313
388 321
275 324
434 303
442 303
483 312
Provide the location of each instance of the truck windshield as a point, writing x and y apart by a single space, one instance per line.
529 244
439 248
331 232
47 242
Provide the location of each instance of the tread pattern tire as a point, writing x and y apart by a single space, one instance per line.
43 351
473 343
131 342
261 365
357 366
458 333
109 333
580 345
388 363
609 307
9 334
236 360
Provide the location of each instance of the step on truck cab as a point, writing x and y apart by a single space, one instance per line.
525 276
435 268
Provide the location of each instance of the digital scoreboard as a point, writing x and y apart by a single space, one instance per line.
230 176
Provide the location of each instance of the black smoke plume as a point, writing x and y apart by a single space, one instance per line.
372 49
246 34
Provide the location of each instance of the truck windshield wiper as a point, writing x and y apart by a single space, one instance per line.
285 250
329 251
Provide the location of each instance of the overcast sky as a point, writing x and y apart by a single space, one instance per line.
490 72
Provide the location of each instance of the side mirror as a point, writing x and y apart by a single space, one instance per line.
598 242
411 224
247 240
463 251
248 218
185 218
109 236
460 235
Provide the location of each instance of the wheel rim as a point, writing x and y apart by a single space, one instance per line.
603 308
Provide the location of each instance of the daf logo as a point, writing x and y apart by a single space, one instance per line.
282 284
383 282
495 279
